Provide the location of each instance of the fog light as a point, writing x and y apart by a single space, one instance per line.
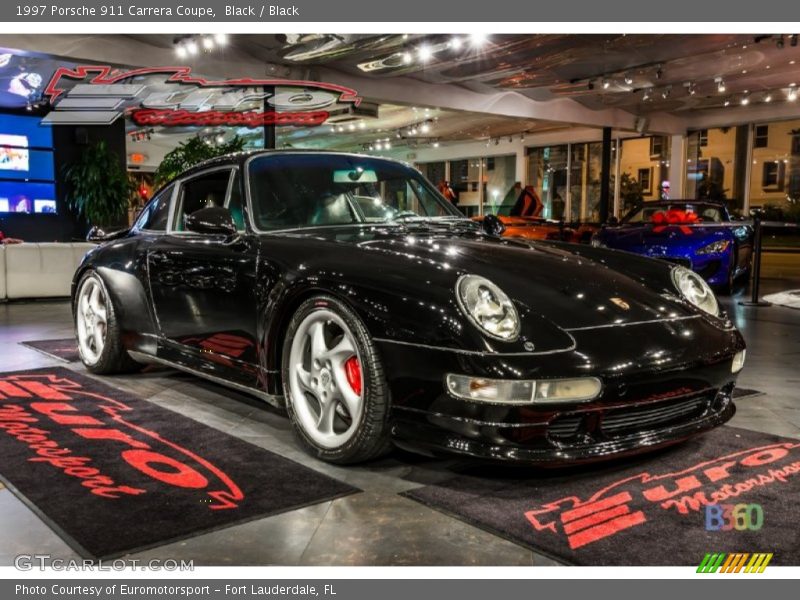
738 361
504 391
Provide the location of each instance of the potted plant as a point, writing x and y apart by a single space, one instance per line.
98 188
191 152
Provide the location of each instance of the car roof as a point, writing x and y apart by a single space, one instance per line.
238 158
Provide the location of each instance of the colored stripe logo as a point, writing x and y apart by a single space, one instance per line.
734 563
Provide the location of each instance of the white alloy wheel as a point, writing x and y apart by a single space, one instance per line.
326 383
91 320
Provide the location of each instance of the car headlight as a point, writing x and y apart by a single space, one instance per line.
695 289
714 247
488 307
526 391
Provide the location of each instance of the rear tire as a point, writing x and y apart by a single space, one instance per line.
334 384
97 330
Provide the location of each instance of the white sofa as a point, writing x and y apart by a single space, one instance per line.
39 270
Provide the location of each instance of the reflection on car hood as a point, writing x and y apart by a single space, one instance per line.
549 280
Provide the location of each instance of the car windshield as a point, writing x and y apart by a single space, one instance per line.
679 212
291 191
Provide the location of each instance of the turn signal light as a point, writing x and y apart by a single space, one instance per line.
506 391
738 361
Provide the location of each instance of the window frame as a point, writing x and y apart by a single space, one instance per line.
149 207
189 178
764 138
649 171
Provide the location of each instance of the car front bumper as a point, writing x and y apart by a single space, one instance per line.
651 396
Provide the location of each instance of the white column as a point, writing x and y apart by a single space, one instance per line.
522 167
677 167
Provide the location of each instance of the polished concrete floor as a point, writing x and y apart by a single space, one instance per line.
377 527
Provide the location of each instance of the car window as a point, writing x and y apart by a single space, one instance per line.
310 190
235 202
155 215
204 191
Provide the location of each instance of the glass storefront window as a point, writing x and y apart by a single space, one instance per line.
584 181
715 165
775 175
465 179
433 171
644 167
547 173
499 176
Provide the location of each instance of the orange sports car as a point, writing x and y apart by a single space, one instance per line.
524 220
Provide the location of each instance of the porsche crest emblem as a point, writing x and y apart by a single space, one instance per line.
621 303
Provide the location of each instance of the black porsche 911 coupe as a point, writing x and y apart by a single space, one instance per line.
345 288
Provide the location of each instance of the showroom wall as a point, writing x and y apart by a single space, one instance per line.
62 226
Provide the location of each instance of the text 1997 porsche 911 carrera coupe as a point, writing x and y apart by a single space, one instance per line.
345 288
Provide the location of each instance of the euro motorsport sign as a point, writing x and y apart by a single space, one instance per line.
174 97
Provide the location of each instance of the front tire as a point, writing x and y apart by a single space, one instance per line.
334 384
97 330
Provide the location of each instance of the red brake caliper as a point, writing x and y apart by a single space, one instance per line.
352 370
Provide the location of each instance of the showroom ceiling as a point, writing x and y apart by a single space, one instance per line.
638 73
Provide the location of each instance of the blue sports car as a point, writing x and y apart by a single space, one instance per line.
698 235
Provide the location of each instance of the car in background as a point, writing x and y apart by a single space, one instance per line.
699 235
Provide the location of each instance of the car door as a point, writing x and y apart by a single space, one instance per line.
203 285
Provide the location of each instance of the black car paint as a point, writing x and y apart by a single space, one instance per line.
219 305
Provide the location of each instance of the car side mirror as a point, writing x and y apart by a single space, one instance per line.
214 220
98 235
492 225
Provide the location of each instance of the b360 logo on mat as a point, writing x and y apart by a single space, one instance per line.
635 500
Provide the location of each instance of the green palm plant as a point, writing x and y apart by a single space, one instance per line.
192 152
98 187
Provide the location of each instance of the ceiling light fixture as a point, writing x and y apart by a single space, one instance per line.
691 88
628 79
648 94
208 43
425 127
666 92
720 85
191 47
768 97
792 96
424 53
606 84
407 58
181 51
727 102
221 38
745 99
455 43
659 72
478 39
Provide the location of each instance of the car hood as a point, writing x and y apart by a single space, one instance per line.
567 285
641 238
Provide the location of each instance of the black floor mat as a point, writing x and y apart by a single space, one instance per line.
64 349
113 474
644 511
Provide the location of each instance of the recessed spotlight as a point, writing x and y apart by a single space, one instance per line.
791 62
191 47
455 43
745 100
720 85
208 43
478 39
606 84
435 144
407 58
628 79
387 145
792 95
362 125
425 128
648 93
221 38
424 53
351 127
727 102
181 51
768 98
691 88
